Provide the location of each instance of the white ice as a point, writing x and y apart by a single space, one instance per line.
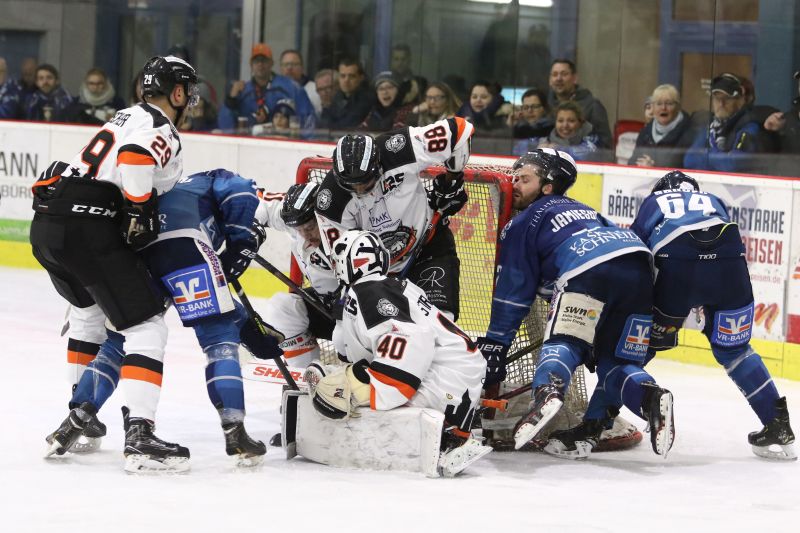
710 482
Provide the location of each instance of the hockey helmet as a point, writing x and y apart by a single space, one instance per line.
355 160
556 167
161 74
676 180
298 205
359 255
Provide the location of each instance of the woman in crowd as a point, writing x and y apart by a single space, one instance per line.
484 107
389 112
571 134
664 140
440 103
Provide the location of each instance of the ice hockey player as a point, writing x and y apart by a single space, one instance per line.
90 216
700 261
402 351
600 282
205 212
375 186
301 323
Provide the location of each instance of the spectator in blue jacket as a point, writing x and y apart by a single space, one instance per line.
729 142
10 93
256 99
50 100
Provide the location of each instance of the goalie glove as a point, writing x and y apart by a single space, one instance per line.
238 256
495 354
140 221
448 195
338 395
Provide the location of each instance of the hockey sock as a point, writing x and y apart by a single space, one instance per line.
599 404
749 373
79 355
100 380
224 381
622 384
560 360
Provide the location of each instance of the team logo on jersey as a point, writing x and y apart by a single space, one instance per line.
397 242
505 229
733 328
324 199
635 340
387 308
192 292
396 142
430 277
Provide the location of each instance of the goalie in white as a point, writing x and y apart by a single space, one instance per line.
403 352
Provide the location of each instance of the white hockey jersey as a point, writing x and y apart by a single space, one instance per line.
416 355
313 261
397 207
137 150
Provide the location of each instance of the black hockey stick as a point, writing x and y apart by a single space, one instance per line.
429 229
313 302
263 330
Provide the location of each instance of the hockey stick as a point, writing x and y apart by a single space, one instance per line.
313 302
429 229
263 330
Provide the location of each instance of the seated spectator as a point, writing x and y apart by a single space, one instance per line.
283 124
10 93
483 108
352 101
292 67
389 111
97 101
571 134
440 103
254 100
760 113
182 51
648 109
325 87
663 141
27 76
564 88
729 142
136 89
533 118
50 100
786 126
203 116
411 86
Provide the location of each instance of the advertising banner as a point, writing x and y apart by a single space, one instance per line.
24 153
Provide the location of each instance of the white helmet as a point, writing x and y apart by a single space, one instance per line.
359 255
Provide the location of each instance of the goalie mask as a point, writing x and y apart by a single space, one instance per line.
676 180
555 167
358 256
355 160
298 205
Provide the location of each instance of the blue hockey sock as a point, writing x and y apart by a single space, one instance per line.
224 381
622 385
749 373
559 360
100 379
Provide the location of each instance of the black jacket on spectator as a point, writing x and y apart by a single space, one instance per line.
348 112
669 151
525 130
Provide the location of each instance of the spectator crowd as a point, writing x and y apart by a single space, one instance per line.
283 99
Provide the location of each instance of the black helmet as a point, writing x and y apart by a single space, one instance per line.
675 180
355 160
298 205
557 167
160 75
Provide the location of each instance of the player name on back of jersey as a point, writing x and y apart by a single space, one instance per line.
120 119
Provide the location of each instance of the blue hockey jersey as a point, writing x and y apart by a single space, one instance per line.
552 241
213 206
666 215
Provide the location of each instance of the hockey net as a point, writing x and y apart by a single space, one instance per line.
476 228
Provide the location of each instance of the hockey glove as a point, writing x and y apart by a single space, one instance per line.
140 221
448 195
338 395
495 354
261 339
238 256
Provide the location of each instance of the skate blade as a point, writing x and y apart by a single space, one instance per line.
86 445
786 453
527 431
458 459
248 461
55 448
665 435
143 464
581 452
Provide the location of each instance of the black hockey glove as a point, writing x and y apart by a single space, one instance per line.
261 339
334 301
495 354
238 256
448 195
140 221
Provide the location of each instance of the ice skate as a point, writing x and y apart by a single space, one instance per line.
91 438
70 430
459 450
657 410
146 453
547 400
577 442
777 433
248 452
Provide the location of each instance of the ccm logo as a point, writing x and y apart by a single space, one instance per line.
93 210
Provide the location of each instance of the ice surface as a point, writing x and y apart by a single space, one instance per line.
711 481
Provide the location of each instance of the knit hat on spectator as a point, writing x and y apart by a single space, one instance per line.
284 106
261 49
727 83
386 75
